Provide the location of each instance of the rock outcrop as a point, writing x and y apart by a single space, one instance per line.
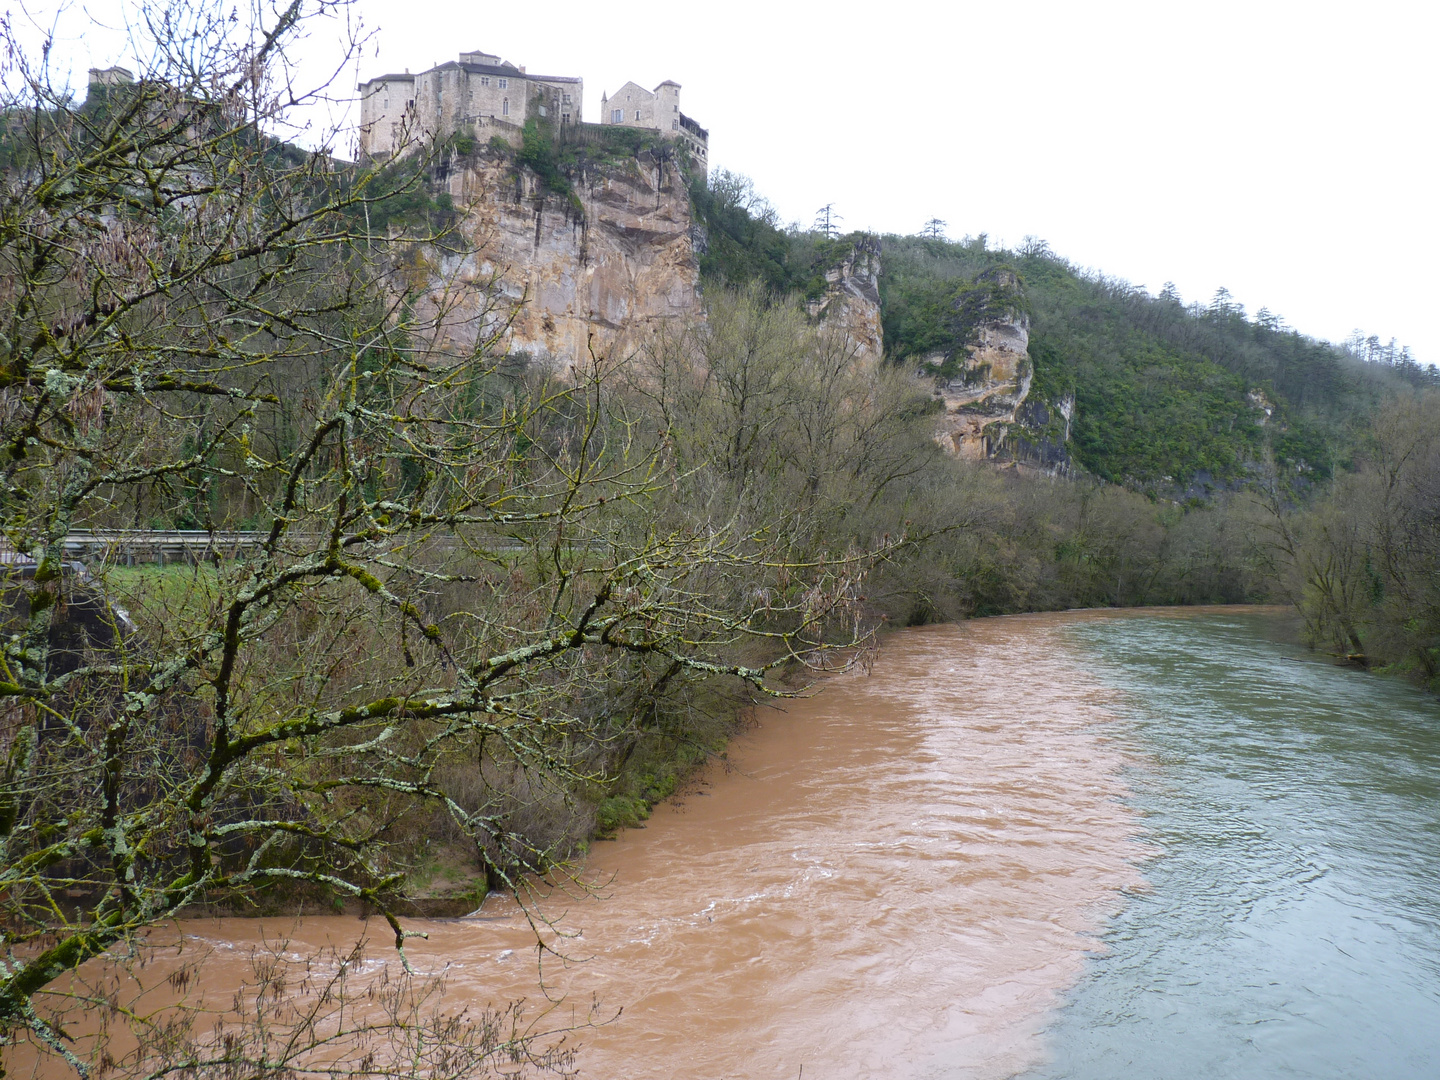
559 277
852 299
992 368
983 383
1040 438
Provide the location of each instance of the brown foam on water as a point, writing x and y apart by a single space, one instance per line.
898 878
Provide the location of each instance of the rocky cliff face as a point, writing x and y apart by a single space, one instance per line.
1040 438
983 384
557 278
852 299
991 369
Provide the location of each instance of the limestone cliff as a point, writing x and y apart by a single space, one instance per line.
1040 438
852 299
571 275
984 381
561 276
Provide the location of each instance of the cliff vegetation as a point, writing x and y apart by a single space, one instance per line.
1168 397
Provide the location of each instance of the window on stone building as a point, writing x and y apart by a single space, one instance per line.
674 125
505 107
617 116
567 99
504 84
565 118
484 80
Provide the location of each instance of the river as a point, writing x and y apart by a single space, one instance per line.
1092 844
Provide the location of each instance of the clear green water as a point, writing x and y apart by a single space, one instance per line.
1291 927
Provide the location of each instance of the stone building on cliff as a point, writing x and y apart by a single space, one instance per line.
111 76
476 92
657 110
486 95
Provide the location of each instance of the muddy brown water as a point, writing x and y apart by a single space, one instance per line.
898 877
936 871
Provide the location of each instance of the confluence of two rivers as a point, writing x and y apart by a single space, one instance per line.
1108 844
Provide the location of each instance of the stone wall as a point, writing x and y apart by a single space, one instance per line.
396 110
657 111
384 105
641 108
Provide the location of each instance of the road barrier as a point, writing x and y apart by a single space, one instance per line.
127 547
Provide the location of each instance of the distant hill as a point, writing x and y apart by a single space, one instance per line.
1164 392
1167 396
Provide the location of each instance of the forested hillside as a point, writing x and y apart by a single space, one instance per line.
1222 456
1170 397
1166 393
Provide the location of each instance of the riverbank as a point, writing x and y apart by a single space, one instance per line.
451 883
900 874
1030 846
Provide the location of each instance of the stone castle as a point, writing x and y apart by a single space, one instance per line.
483 94
657 110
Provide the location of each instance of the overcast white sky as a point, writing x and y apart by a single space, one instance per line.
1284 150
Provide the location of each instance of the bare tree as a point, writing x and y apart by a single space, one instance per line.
1034 247
784 411
732 189
465 590
827 220
1361 565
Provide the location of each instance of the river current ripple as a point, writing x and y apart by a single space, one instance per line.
1291 923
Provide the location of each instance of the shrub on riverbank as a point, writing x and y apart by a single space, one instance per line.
1363 564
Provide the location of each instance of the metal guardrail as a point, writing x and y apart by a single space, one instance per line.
129 547
126 547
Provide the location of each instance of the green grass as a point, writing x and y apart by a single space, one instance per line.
160 595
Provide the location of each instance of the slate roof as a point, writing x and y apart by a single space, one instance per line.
505 71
